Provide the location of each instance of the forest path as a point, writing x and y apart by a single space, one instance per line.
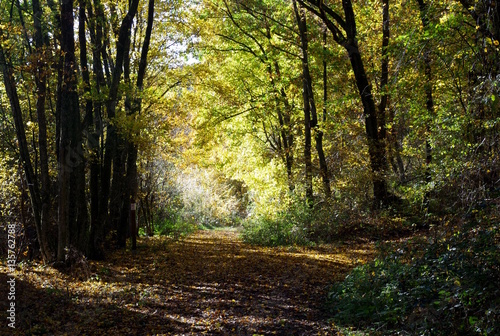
207 283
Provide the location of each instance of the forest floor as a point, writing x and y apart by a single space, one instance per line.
207 283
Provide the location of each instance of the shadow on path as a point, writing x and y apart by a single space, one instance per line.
209 283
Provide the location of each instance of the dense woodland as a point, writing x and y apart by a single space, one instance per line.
300 123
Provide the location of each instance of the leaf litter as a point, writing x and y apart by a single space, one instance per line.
209 283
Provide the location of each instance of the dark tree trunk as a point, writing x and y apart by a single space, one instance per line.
284 120
132 183
11 91
111 140
70 158
323 167
376 146
118 192
118 206
345 34
95 131
428 93
41 85
384 79
83 222
309 106
288 135
394 148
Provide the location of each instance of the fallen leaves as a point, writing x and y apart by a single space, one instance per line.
209 283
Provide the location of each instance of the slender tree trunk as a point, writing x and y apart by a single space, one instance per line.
287 125
309 100
285 132
118 192
111 140
284 119
41 85
84 223
394 148
132 183
310 119
323 167
384 79
429 98
95 131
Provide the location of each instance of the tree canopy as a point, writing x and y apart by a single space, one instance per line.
299 122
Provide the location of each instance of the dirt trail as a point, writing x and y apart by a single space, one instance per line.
208 283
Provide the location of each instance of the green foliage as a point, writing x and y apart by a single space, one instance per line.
177 228
326 221
9 193
289 227
449 288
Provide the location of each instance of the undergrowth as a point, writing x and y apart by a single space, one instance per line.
445 285
326 222
175 228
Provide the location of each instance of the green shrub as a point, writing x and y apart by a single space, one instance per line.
449 289
325 222
291 227
176 228
274 232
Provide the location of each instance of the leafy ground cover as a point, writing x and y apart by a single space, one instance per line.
443 284
207 283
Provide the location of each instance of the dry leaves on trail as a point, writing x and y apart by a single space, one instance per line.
209 283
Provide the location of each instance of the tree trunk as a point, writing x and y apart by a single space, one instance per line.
41 86
95 131
118 192
83 223
284 120
132 183
69 146
11 91
111 140
429 98
285 125
323 167
308 100
376 146
345 34
384 79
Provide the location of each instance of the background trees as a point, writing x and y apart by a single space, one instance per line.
207 113
399 98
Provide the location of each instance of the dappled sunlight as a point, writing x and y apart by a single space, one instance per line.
209 282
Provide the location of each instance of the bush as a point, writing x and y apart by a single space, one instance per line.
290 227
176 228
451 288
326 222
